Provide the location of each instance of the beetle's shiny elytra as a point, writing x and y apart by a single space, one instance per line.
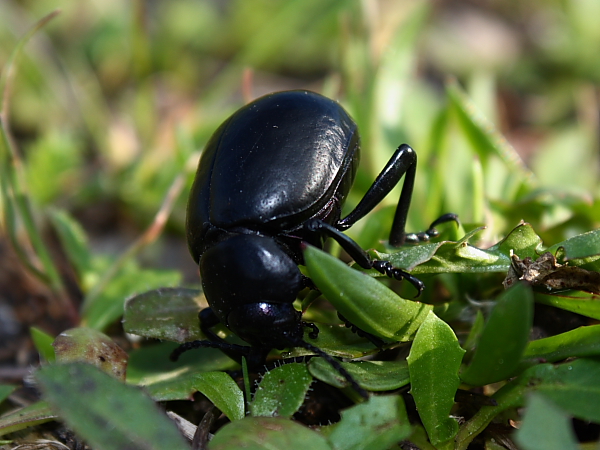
272 177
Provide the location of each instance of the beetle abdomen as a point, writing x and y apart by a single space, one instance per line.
275 163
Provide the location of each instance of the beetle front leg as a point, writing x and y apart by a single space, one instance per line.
424 236
360 256
402 163
254 355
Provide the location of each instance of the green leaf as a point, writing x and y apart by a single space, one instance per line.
583 341
54 165
225 394
374 425
371 375
475 333
218 387
484 137
74 241
5 391
38 413
574 386
579 247
364 301
108 306
509 396
504 338
461 257
150 365
337 340
579 302
267 433
106 413
43 344
433 364
282 390
165 313
545 427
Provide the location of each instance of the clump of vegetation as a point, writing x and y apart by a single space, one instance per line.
104 111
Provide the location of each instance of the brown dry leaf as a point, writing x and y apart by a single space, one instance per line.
545 272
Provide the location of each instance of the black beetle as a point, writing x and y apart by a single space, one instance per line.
272 177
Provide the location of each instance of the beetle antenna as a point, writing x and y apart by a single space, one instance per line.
336 365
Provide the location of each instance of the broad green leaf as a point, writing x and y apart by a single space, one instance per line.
371 375
43 344
218 387
106 413
545 427
578 247
223 391
522 240
337 340
282 390
108 306
151 366
504 338
583 341
92 347
364 301
267 433
462 257
579 302
38 413
373 425
165 313
574 386
433 364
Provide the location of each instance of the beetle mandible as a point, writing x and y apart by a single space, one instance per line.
273 176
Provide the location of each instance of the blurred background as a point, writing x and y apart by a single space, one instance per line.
112 101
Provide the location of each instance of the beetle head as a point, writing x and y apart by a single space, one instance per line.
250 283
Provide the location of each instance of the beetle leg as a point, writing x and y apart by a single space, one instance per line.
361 257
315 330
335 364
379 343
254 355
386 268
306 282
431 232
403 161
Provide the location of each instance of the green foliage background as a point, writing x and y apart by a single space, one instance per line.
112 102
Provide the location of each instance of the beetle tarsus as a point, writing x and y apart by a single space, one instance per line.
386 268
377 342
432 232
336 365
314 334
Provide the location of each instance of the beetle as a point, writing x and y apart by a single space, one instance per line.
272 178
